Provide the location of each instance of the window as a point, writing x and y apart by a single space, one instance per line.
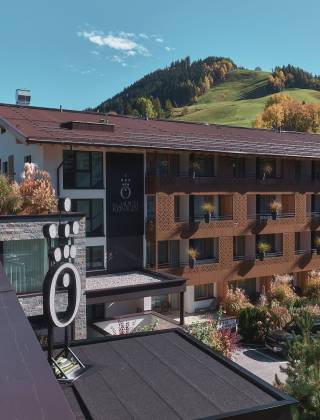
177 207
239 167
95 257
207 248
168 253
238 247
25 263
315 168
263 203
27 159
151 207
297 169
10 170
249 286
150 254
94 212
82 170
203 165
5 168
297 241
203 291
198 201
168 165
315 203
269 168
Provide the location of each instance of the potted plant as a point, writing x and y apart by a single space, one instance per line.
317 244
267 170
263 247
193 254
275 208
195 166
207 209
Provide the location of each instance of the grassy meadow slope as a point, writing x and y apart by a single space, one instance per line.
238 100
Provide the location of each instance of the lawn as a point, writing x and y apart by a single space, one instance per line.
238 100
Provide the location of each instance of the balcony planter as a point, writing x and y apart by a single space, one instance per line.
263 248
207 209
193 254
195 166
275 208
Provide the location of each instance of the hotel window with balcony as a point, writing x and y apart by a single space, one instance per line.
93 209
302 242
249 286
204 291
202 166
239 248
168 254
150 254
82 170
94 257
239 167
275 244
207 249
315 170
222 206
269 168
167 165
315 204
25 263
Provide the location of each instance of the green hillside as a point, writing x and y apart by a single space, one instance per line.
237 100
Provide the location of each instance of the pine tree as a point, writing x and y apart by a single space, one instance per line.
303 370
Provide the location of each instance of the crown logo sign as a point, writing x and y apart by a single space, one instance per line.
125 191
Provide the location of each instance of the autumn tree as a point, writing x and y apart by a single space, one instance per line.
283 113
277 80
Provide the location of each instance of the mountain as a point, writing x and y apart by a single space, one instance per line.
212 90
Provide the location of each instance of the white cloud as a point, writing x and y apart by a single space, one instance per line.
144 36
122 42
169 48
94 52
159 40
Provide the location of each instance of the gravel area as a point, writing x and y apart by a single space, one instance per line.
111 281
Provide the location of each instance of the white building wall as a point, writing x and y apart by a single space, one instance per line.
11 146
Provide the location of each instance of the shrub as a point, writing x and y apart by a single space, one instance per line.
234 301
279 317
207 208
281 291
223 341
263 247
10 199
253 323
312 290
36 190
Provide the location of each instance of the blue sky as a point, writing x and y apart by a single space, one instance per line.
79 52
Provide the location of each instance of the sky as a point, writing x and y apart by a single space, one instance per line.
77 53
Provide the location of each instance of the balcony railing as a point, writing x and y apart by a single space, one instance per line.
254 257
313 214
306 251
268 216
201 219
182 264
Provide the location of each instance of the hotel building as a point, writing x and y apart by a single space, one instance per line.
142 185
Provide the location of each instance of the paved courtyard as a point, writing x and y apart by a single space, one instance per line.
261 362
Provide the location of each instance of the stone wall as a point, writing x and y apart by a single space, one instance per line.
31 227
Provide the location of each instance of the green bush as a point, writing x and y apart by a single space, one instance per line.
253 323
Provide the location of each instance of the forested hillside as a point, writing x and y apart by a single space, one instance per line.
213 90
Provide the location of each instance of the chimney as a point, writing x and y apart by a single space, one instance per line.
23 97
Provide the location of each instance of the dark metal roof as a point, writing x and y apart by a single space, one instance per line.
168 375
28 389
46 125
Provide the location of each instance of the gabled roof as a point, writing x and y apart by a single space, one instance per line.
51 126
